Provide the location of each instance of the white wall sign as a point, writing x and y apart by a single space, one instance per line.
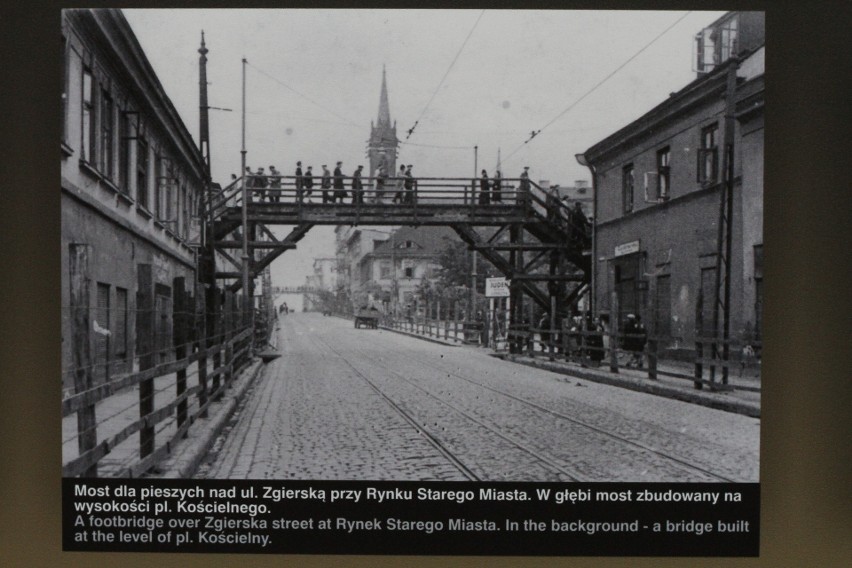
496 288
627 248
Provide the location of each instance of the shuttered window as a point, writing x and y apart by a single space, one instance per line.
101 327
120 331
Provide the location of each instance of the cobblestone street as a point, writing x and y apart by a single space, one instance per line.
367 404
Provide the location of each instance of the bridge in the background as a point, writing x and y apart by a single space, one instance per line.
541 245
295 290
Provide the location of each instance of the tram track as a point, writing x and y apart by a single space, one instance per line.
553 466
682 462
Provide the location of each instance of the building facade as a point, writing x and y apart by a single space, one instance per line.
131 186
657 189
397 267
581 192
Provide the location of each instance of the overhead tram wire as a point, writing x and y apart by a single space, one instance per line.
307 98
470 33
535 133
436 146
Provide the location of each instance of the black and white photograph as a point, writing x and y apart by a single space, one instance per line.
412 246
420 245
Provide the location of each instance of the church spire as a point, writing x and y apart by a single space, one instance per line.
384 107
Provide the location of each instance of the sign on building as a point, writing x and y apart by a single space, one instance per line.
626 248
496 288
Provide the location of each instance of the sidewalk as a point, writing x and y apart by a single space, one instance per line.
118 411
674 378
744 399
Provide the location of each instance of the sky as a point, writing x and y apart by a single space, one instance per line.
467 77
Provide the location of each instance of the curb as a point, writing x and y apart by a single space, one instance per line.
185 462
430 339
649 387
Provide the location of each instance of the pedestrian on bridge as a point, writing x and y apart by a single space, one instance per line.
410 186
308 183
299 181
400 181
325 185
339 188
525 180
381 176
249 182
496 195
484 189
274 193
260 182
357 186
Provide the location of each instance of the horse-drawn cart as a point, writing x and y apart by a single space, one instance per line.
368 317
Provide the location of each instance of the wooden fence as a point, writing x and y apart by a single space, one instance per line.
176 383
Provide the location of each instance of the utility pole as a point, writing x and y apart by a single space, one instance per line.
473 252
248 291
726 211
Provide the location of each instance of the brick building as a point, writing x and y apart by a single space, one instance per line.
131 184
657 188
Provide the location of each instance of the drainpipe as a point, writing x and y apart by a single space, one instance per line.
581 159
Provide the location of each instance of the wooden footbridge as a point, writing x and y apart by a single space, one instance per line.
541 245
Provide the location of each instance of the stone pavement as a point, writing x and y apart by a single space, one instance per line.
325 410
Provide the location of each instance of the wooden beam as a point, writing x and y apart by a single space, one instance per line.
550 277
87 437
255 244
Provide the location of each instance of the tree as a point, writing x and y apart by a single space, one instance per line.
456 268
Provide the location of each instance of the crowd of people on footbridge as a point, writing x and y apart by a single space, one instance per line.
332 185
268 186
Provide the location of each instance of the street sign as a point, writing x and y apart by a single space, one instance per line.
496 288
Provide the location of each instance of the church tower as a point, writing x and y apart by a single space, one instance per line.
383 144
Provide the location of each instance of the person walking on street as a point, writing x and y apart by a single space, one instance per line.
496 195
339 188
400 184
357 186
484 189
325 185
308 183
274 193
634 341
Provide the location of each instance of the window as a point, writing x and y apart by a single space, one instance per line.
120 332
708 155
102 333
728 44
185 212
628 182
87 141
409 272
64 88
159 186
142 171
124 152
385 270
663 179
105 161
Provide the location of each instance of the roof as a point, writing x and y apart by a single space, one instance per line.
429 240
